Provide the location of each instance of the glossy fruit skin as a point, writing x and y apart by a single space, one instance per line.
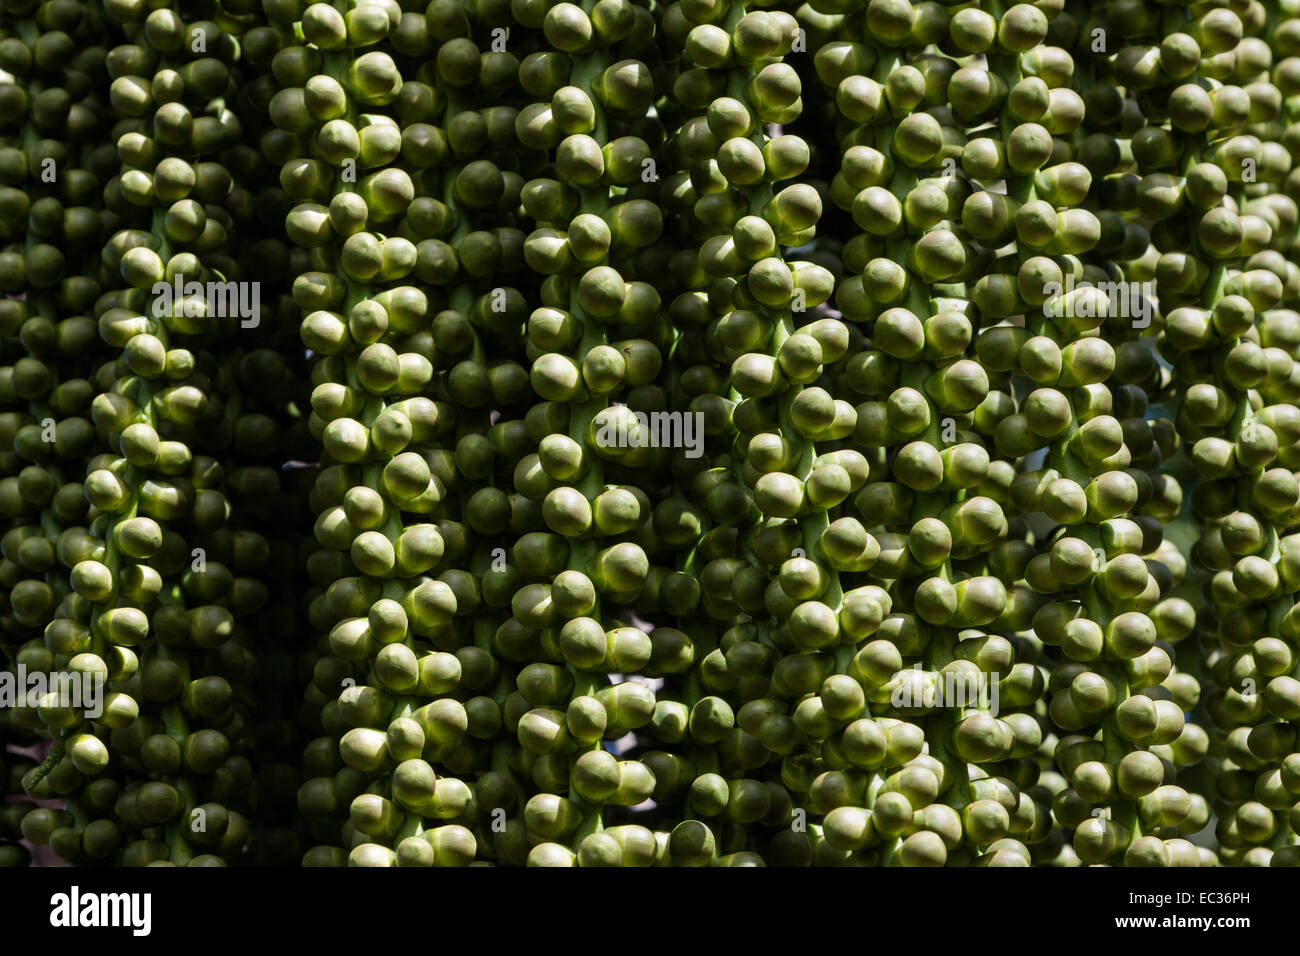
143 513
885 463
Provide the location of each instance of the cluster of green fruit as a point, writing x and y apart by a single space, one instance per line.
146 547
855 432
